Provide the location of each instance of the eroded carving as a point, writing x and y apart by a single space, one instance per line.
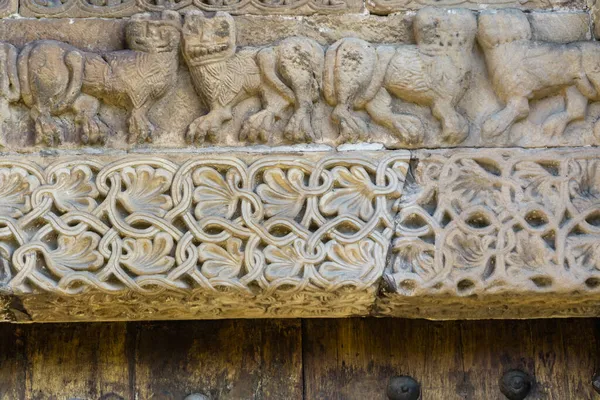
391 6
441 92
123 8
226 236
490 223
79 8
287 75
521 69
57 78
434 73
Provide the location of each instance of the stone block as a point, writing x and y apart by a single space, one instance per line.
181 236
497 234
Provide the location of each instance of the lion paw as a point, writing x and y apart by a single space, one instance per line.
141 130
299 128
258 127
555 124
455 130
352 127
495 125
49 131
408 128
94 131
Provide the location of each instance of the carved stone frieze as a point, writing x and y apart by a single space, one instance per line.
123 8
8 7
487 80
390 6
142 237
497 233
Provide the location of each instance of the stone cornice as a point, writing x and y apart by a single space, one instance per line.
435 234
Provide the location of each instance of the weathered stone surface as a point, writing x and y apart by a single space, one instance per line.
442 91
497 234
142 207
104 9
8 7
211 236
390 6
560 27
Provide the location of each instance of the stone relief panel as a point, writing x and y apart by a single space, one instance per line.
491 233
229 235
467 81
8 7
123 8
385 7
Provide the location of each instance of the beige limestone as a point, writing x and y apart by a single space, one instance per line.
196 236
442 91
497 233
184 164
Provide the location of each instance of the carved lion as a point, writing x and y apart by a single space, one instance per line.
521 69
56 78
283 76
435 73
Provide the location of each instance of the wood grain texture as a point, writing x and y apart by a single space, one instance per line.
77 361
293 359
231 359
354 359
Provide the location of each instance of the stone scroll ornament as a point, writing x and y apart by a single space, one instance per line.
201 237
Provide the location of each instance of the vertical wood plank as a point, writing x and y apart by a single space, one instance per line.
355 358
243 359
565 354
12 367
85 361
491 348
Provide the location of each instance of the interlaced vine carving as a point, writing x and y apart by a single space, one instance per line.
475 222
245 235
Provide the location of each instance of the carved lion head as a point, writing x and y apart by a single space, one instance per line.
502 26
154 33
208 39
445 28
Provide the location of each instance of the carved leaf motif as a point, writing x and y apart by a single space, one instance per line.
475 185
540 185
5 255
74 189
16 186
284 262
146 256
219 262
215 197
348 262
145 189
353 196
531 252
584 186
471 250
75 253
417 258
585 251
282 193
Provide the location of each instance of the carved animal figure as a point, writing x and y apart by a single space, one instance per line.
435 72
284 76
521 69
10 91
56 78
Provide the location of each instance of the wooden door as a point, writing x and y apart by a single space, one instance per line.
296 359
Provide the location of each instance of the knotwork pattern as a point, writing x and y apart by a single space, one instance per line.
491 222
230 230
